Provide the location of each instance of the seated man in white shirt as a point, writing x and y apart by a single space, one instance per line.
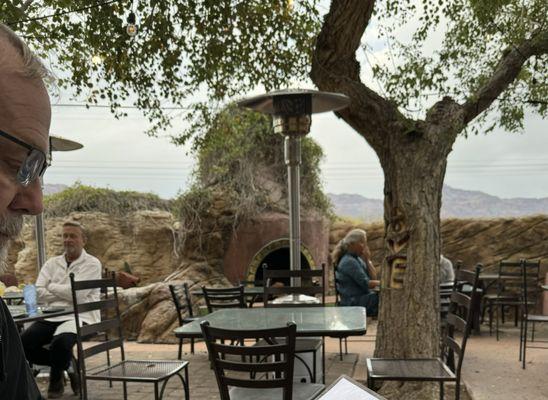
53 288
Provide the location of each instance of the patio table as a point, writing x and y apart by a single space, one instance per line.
311 321
20 316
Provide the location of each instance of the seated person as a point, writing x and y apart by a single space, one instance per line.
356 277
53 288
447 274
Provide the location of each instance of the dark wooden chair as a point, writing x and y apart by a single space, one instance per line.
434 369
124 371
312 284
238 367
217 298
177 294
336 282
508 294
531 292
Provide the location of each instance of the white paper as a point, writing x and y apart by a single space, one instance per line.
344 389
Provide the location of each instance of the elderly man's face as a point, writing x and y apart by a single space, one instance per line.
73 241
25 113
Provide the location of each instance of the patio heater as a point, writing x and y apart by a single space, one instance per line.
55 144
291 111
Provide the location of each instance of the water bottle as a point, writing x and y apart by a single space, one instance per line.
29 294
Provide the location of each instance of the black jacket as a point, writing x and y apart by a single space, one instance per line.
16 380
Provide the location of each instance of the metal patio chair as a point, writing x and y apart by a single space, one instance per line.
217 298
434 369
531 292
180 307
256 372
308 287
149 371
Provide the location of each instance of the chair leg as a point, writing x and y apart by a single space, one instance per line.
490 318
532 331
457 389
340 349
520 338
323 360
314 366
499 310
442 394
516 316
124 384
187 385
524 345
156 397
345 345
180 352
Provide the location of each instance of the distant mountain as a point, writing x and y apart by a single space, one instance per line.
456 203
53 188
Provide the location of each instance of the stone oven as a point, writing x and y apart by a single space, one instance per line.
264 240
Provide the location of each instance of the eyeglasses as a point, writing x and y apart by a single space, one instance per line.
33 166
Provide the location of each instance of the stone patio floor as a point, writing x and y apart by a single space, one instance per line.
491 369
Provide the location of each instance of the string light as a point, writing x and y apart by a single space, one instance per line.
131 27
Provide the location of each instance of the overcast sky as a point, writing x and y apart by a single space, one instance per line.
117 153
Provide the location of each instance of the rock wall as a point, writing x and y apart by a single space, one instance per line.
143 239
148 241
485 241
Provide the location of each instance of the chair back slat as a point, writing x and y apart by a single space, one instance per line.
220 298
273 360
92 284
454 346
102 347
315 289
92 329
457 322
105 304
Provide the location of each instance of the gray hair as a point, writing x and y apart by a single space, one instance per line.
354 236
76 225
31 66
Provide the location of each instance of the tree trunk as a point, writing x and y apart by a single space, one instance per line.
409 318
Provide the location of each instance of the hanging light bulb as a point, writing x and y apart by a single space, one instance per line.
131 27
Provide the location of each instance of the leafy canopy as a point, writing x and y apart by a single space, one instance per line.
221 49
182 47
476 35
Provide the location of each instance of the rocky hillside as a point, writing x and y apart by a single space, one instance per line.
456 203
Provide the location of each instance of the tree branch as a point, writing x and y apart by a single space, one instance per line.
25 6
335 68
506 71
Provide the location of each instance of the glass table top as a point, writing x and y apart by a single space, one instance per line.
311 321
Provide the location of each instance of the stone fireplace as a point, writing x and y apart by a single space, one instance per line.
264 240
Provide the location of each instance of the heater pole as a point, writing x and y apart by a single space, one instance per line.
293 162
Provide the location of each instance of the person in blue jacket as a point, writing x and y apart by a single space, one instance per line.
356 275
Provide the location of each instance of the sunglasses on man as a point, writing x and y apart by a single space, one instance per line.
33 166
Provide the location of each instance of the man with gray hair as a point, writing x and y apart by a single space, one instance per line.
25 116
